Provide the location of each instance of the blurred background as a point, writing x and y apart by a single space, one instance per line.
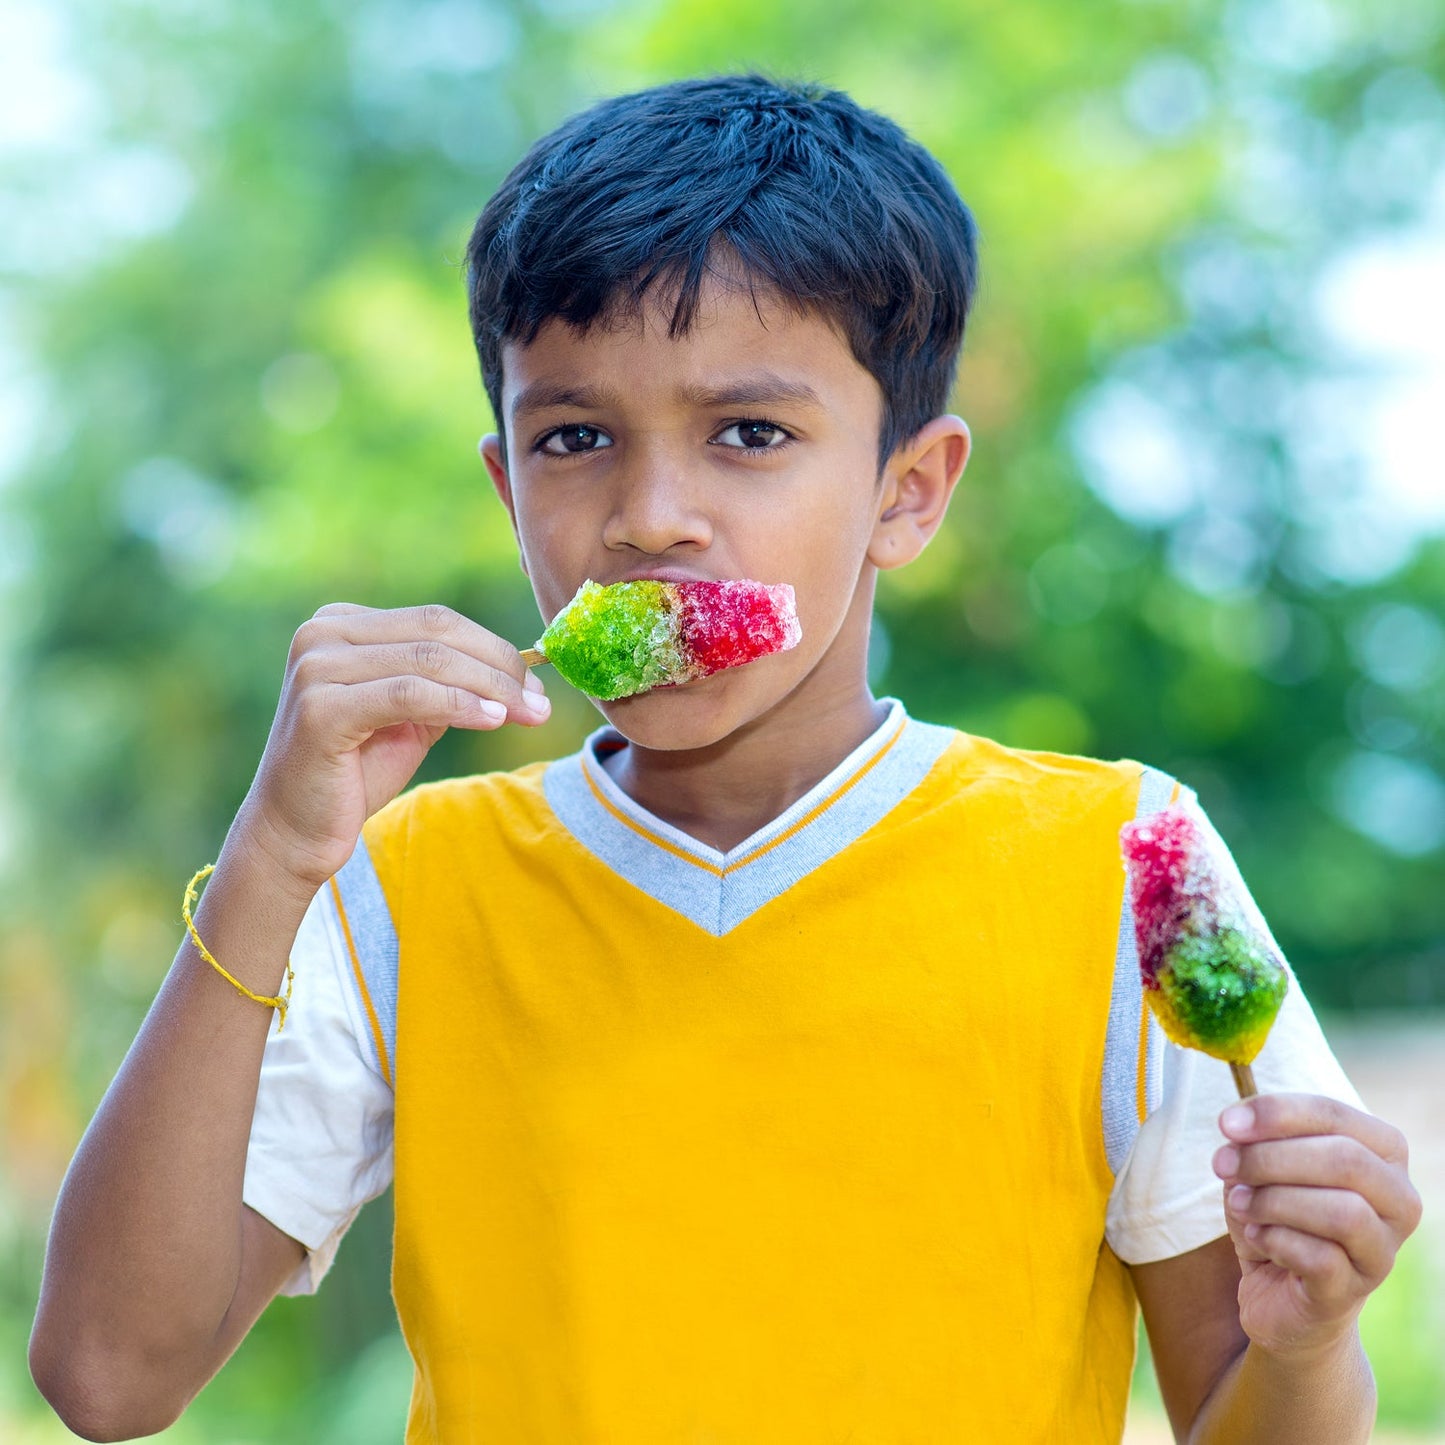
1204 523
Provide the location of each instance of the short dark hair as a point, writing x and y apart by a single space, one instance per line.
826 204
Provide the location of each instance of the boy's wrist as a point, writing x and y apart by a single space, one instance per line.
1322 1391
256 860
1332 1354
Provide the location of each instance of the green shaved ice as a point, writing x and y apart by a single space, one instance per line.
1219 993
611 642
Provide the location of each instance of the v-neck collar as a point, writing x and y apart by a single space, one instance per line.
717 890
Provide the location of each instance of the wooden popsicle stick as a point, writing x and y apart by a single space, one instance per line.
1244 1080
531 657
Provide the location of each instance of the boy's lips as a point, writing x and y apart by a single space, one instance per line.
664 574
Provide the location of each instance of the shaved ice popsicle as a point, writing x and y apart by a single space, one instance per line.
630 637
1211 973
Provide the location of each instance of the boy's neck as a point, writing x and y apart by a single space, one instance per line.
722 795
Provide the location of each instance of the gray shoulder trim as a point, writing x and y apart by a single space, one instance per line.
371 945
1131 1024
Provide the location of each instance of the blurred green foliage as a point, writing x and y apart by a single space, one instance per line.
237 286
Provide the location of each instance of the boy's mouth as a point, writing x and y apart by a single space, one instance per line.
666 574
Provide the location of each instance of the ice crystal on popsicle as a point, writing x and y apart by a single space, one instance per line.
630 637
1211 973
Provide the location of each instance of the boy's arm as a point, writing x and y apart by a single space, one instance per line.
1255 1336
154 1272
155 1268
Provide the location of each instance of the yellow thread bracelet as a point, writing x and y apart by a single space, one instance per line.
279 1003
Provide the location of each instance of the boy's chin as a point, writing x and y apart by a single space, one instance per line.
682 719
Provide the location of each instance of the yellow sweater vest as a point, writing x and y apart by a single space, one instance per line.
834 1177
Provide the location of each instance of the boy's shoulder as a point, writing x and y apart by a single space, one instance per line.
1036 778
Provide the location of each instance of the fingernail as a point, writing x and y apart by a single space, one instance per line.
492 711
1237 1119
1226 1163
1239 1198
538 704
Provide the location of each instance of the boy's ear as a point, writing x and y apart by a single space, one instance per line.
490 450
918 480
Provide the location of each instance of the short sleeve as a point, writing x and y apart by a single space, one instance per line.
321 1134
1166 1198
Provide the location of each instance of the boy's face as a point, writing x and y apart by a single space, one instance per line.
745 448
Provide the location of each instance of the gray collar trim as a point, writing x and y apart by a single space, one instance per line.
718 891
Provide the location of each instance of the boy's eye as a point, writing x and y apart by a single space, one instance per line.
569 440
755 436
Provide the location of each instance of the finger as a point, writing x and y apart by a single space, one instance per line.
1331 1161
355 711
347 624
1244 1247
1323 1268
1285 1116
431 621
425 658
341 609
318 628
1338 1215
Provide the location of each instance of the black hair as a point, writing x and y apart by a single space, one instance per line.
817 200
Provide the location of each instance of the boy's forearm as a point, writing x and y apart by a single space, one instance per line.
1281 1400
145 1248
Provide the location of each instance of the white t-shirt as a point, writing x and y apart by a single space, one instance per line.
321 1136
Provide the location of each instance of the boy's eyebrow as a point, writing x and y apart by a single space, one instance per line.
542 395
761 388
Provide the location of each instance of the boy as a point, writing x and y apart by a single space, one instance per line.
728 1100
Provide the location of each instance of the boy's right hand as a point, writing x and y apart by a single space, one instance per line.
366 694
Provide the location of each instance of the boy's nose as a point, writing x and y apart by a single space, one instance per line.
657 506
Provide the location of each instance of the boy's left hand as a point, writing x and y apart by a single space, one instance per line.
1318 1200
